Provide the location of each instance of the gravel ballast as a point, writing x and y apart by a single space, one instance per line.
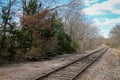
32 70
106 68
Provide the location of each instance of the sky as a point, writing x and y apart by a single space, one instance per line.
105 14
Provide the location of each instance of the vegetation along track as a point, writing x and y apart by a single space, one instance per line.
72 70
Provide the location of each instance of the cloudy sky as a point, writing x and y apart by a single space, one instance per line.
104 13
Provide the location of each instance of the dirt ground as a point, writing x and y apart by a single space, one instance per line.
106 68
31 70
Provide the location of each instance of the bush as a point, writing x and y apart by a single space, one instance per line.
65 43
41 34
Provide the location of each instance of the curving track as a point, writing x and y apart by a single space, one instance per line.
72 70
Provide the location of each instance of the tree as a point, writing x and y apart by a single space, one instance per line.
13 41
44 30
6 22
115 36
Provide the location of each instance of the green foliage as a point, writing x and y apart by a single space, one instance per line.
24 40
17 42
32 7
12 40
44 38
5 21
75 44
64 43
47 33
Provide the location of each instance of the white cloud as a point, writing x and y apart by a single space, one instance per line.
88 2
111 22
103 8
104 33
105 24
19 13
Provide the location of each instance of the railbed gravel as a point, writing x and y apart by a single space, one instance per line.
106 68
32 70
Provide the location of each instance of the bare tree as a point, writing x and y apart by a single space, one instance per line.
6 21
114 39
79 29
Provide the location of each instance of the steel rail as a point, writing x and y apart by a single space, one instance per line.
86 67
72 62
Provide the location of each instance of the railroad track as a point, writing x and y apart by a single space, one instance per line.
72 70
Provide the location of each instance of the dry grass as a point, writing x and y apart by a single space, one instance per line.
107 68
117 52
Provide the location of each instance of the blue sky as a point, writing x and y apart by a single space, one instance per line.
105 14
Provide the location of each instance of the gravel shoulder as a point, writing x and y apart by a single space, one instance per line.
31 70
106 68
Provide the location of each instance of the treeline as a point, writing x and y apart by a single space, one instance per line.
114 39
44 31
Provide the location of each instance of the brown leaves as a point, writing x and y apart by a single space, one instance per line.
40 23
41 19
